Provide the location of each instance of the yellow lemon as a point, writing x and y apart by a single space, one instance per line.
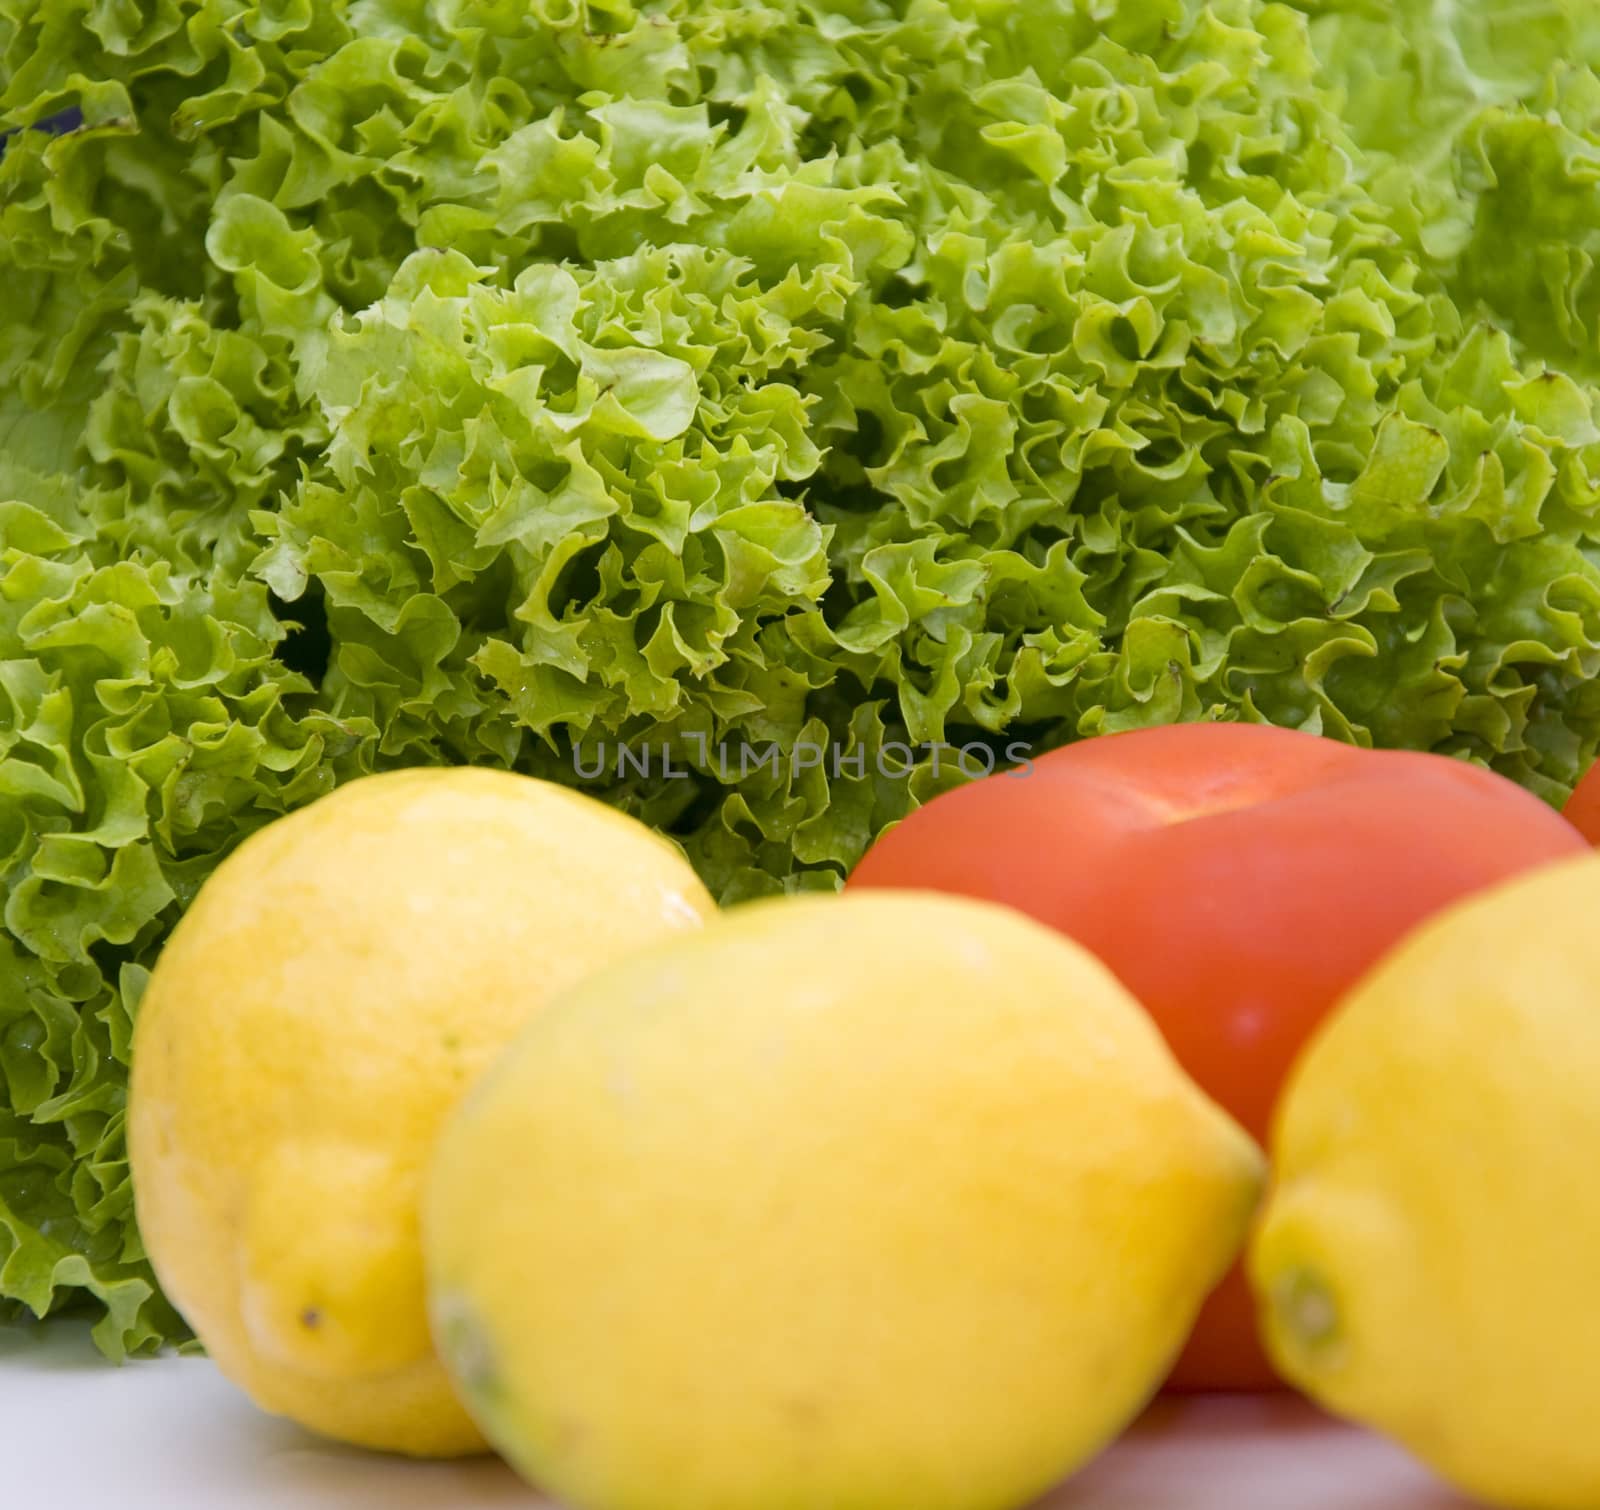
1429 1258
338 983
888 1201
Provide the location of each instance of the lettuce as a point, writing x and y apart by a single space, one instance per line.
394 382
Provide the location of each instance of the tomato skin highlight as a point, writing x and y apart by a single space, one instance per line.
1238 878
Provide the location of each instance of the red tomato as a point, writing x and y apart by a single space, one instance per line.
1583 807
1238 878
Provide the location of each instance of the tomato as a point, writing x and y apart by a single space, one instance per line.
1238 878
1583 807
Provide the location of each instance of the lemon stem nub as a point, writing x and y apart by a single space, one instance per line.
1308 1310
465 1346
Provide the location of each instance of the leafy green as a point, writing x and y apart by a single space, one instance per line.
394 382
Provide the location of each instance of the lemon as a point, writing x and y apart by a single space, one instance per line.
338 983
1429 1258
876 1201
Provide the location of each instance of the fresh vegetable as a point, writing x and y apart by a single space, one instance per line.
338 984
878 1200
1583 807
386 384
1427 1263
1238 879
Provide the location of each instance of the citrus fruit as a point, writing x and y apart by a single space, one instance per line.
889 1200
338 983
1427 1262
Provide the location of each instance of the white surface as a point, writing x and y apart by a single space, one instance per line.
171 1434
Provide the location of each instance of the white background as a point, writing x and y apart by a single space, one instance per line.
171 1434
